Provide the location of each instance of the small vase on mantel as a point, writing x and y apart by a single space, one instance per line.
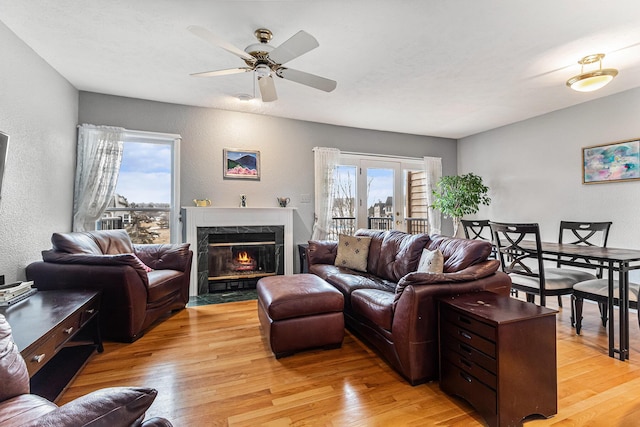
243 201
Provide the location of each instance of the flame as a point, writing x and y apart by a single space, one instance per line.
244 257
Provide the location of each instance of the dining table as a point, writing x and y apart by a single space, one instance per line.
614 260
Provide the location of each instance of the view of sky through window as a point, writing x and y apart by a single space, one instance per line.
145 173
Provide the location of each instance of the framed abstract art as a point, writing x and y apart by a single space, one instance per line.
618 161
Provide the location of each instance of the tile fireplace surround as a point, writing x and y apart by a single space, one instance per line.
205 217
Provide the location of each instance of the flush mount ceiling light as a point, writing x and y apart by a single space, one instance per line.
592 80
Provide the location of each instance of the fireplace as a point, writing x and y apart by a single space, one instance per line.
237 257
199 222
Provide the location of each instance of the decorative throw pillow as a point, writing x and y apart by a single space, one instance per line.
431 262
353 252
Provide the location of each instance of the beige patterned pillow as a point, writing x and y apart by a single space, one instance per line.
431 262
353 252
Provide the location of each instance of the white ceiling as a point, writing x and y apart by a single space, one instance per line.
448 68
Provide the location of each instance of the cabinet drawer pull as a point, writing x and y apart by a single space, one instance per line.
90 310
464 320
68 330
38 358
464 335
466 363
465 348
466 377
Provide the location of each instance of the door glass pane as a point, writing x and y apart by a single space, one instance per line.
380 185
344 201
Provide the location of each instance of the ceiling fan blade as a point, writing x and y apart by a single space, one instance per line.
267 89
307 79
221 72
298 44
208 36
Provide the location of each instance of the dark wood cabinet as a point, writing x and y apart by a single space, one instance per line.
56 332
499 354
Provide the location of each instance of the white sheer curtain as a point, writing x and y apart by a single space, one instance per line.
433 172
325 161
99 154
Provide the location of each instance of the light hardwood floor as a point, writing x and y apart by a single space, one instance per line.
212 368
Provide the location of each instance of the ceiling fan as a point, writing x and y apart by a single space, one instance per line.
267 61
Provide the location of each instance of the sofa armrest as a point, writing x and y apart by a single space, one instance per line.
124 294
116 406
165 256
415 319
129 259
322 252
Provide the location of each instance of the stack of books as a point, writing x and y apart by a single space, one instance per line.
11 293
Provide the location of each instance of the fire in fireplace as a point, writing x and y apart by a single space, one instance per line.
241 256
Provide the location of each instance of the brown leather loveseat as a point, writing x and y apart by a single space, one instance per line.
139 282
114 407
393 307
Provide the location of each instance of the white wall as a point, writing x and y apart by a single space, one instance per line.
38 109
285 147
534 168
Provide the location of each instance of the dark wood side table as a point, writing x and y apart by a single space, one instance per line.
56 332
302 253
499 354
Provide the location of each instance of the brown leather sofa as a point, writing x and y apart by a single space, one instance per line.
394 308
117 406
139 283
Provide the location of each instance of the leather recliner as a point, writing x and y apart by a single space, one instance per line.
116 406
139 282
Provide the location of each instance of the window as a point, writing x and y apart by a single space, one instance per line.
379 192
146 197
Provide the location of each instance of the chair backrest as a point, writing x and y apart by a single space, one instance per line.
510 243
476 229
585 234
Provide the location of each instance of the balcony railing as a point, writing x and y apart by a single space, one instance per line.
347 225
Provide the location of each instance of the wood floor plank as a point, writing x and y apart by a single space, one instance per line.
211 366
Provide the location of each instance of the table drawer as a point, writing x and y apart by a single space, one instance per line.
66 329
39 356
468 337
457 382
469 323
469 366
89 311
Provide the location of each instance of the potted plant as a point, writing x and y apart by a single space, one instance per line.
459 195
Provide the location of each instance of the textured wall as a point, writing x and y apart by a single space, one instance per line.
285 148
534 168
38 109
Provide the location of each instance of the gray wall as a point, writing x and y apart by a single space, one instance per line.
534 168
285 149
38 109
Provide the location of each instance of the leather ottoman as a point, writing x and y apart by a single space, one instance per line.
300 312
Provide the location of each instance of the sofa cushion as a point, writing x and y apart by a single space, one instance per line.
25 409
353 252
102 242
106 407
13 371
431 262
163 256
459 253
375 305
399 254
163 283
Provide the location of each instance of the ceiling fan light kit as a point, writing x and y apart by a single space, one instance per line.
266 61
592 80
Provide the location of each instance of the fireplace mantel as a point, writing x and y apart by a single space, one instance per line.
194 217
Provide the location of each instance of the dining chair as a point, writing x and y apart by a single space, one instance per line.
478 229
585 234
598 290
525 265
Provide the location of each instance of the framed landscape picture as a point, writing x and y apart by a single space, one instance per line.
241 164
618 161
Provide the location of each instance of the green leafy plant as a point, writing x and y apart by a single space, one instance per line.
460 195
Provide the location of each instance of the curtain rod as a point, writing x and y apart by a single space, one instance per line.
389 156
143 133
